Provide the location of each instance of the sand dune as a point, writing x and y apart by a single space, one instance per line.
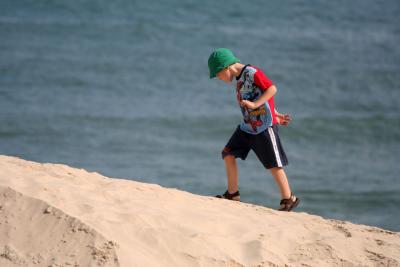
55 215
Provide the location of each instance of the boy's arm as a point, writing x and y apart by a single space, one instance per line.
270 92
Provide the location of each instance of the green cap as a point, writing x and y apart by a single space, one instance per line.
219 60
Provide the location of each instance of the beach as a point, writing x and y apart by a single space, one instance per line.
56 215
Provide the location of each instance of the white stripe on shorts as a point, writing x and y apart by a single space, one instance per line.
272 136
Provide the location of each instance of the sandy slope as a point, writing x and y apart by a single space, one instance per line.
55 215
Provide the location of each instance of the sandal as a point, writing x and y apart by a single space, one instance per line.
287 204
235 196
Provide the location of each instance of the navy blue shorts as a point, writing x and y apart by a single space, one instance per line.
266 145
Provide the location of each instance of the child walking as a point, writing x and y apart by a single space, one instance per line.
259 129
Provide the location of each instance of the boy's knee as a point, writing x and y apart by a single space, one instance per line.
225 153
229 157
275 169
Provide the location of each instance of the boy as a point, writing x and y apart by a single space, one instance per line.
258 130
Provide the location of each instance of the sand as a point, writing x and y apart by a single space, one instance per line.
55 215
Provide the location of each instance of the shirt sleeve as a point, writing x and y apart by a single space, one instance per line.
262 81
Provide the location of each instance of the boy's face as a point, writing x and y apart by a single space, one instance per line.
225 75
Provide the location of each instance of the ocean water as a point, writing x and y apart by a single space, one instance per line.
121 88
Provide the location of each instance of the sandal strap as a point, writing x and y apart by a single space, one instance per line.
230 196
288 201
285 201
227 195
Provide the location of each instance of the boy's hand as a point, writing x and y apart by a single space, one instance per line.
283 119
248 104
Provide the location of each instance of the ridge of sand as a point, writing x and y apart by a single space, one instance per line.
50 235
126 223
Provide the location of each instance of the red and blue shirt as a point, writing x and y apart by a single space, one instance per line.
251 84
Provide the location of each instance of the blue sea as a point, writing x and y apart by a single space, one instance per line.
122 88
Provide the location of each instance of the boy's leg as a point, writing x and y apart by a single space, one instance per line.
237 147
231 173
282 181
269 151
